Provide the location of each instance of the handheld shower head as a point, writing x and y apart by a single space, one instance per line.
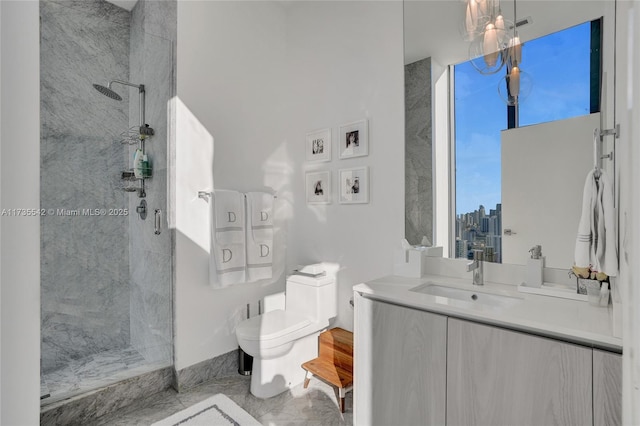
107 92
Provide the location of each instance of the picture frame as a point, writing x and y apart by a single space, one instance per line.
353 139
318 187
353 185
318 145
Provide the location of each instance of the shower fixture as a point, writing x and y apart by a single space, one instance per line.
143 132
107 92
110 93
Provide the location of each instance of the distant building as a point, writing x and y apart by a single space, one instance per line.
461 248
476 230
489 254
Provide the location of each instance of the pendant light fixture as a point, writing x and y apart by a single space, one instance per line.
485 28
493 46
515 57
516 85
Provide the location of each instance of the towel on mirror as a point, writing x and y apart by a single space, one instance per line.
227 264
606 251
585 250
259 235
595 241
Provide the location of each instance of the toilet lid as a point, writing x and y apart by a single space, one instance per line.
271 325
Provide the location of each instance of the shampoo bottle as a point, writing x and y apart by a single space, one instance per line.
535 267
137 163
145 166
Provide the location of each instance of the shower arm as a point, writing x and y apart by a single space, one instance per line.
141 90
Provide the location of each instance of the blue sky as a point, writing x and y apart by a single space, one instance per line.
558 66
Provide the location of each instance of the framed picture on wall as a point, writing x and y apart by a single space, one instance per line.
318 187
318 145
353 185
353 139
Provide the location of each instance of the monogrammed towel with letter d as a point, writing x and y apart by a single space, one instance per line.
228 251
259 236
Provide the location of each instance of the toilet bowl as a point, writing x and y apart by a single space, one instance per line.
281 340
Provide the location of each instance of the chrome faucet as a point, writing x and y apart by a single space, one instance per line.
476 267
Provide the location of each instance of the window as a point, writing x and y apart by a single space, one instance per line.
564 68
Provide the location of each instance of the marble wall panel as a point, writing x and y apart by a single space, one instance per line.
161 18
84 259
418 152
84 409
151 314
152 64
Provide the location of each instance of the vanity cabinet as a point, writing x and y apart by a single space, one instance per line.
503 377
400 365
607 388
413 367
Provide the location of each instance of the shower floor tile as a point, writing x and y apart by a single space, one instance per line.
44 389
93 372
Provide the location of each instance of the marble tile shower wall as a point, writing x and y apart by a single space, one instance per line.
153 34
418 166
84 260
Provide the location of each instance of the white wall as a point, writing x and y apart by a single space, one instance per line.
230 85
20 188
257 76
627 159
345 63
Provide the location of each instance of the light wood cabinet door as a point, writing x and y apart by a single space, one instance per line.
399 365
502 377
607 388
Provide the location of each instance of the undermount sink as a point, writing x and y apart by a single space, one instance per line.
494 300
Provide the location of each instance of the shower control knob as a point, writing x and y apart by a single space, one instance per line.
142 210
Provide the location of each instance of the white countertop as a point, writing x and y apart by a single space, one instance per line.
565 319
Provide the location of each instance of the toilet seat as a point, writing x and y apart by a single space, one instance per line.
273 328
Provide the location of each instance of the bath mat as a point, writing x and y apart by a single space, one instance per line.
217 410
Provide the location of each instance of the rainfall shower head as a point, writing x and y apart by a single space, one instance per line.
107 91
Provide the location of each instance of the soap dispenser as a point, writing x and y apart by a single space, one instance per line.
535 267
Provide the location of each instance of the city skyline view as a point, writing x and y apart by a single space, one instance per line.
480 113
481 116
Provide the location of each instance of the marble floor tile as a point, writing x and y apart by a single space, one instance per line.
44 389
145 411
93 372
62 381
316 405
132 357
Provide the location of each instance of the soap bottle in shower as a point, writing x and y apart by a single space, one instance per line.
535 267
145 166
137 164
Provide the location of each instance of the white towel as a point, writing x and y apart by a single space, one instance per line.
584 251
606 250
595 241
259 236
227 265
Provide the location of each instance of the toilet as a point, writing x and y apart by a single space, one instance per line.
281 340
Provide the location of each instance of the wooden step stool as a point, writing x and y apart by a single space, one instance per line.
334 364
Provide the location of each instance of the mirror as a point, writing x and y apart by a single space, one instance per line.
434 40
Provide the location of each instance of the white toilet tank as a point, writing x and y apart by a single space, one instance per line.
314 297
